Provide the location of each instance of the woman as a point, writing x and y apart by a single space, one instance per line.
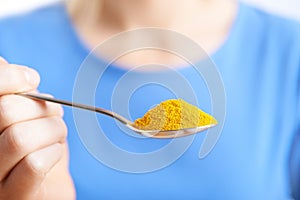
256 53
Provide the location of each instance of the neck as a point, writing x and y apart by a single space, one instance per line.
129 14
207 22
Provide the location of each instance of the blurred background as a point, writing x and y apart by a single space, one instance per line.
288 8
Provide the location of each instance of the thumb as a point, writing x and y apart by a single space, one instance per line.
3 61
25 180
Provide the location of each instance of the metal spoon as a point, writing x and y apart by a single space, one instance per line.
123 120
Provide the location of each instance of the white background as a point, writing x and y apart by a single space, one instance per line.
289 8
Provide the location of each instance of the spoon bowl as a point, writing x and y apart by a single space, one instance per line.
171 133
147 133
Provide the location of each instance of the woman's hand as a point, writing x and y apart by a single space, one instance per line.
33 150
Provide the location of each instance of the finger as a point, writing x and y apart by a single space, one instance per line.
62 184
28 175
15 78
3 61
23 138
15 109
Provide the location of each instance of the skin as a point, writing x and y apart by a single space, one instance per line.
207 22
33 148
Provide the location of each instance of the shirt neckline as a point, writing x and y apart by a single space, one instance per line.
222 47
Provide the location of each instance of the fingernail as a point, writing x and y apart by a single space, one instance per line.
61 111
2 60
32 76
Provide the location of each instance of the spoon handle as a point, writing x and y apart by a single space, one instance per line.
76 105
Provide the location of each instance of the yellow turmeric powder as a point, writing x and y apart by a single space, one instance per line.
174 114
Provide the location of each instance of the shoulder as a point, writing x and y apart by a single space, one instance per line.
270 25
264 40
269 36
36 17
22 26
35 28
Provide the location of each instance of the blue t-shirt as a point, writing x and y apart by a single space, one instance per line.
257 154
